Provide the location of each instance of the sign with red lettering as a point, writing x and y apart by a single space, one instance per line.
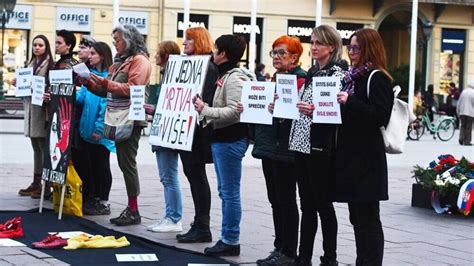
326 107
255 99
175 118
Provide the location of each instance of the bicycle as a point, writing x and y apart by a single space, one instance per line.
443 127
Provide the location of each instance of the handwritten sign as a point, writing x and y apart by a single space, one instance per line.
255 99
60 76
82 70
38 90
175 118
326 107
287 90
23 81
137 96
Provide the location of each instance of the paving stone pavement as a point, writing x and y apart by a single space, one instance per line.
413 236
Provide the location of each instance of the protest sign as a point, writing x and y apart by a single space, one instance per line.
287 90
175 118
82 70
38 90
60 76
23 81
61 128
137 96
326 107
255 99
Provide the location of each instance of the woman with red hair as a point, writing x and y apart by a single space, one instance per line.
198 41
361 164
271 145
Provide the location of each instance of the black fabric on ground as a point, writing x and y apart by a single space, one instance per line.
37 225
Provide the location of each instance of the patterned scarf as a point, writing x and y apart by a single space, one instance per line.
353 74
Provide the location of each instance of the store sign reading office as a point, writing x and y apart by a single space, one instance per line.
135 18
73 19
20 18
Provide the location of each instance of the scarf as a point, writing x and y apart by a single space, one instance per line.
353 74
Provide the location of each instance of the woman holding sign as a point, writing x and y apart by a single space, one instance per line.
230 139
271 145
35 116
315 146
131 67
361 164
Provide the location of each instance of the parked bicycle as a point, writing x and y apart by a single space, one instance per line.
443 127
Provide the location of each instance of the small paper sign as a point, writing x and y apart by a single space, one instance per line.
23 81
38 90
7 242
136 257
60 76
326 108
137 96
287 90
69 234
82 70
255 99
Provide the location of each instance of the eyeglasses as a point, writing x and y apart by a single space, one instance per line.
354 48
280 53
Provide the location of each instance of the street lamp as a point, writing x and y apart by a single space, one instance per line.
7 7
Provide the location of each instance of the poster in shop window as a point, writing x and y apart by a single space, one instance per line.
175 119
60 131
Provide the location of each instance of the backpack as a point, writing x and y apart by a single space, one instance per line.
394 134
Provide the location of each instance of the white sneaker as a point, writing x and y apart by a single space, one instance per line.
167 225
155 224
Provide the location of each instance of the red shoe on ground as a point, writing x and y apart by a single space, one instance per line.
12 229
51 242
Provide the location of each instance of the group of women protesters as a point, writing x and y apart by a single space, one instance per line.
324 163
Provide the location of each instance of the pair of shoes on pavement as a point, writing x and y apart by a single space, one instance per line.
51 242
127 217
165 225
32 188
276 257
95 207
222 249
12 229
196 234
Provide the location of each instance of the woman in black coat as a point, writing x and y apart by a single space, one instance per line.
361 164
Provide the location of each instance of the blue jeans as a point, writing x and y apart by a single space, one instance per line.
167 161
227 158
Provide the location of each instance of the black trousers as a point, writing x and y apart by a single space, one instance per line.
97 181
368 232
280 180
195 170
315 176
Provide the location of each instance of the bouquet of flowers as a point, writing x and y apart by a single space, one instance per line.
445 175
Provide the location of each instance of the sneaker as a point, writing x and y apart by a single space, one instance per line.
50 242
30 189
12 229
274 253
222 249
96 208
279 259
127 217
155 224
167 225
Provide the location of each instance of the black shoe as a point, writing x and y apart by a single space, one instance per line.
279 259
96 209
303 262
127 217
328 262
178 236
222 249
195 235
274 252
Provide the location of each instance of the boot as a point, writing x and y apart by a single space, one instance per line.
199 232
33 188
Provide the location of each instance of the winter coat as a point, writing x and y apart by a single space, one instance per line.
92 117
35 121
466 101
271 141
361 164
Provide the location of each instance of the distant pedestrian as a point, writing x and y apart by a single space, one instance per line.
428 101
260 72
361 163
465 111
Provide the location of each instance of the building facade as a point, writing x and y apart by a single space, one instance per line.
445 36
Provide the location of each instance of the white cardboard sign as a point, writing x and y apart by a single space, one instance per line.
23 81
255 99
287 90
326 108
60 76
137 96
38 90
